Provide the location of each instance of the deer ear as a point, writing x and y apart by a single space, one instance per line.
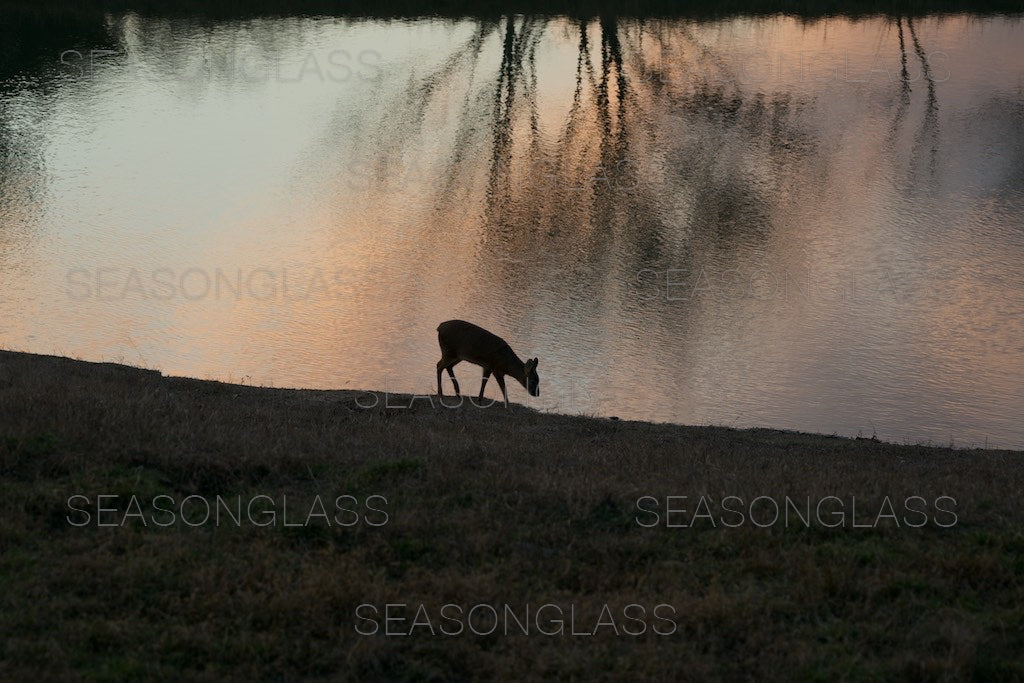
535 361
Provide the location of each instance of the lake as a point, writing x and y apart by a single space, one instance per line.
801 224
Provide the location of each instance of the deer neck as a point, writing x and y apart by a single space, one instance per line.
516 368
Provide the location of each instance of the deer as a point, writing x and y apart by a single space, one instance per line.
460 340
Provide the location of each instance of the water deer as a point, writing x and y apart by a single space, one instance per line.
461 341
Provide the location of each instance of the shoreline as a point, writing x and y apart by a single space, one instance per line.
460 9
370 399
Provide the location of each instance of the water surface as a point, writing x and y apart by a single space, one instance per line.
813 225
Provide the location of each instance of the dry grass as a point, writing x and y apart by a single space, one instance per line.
485 506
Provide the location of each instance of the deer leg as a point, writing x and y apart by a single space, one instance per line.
451 373
501 383
487 373
445 364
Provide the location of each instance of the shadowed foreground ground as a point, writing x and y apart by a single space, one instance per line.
495 507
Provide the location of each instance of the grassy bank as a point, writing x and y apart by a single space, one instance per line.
483 506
